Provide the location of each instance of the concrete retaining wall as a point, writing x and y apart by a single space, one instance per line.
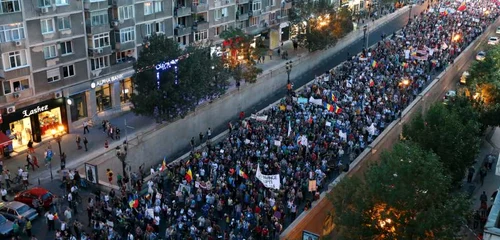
314 220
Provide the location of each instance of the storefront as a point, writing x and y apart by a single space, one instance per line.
34 122
127 88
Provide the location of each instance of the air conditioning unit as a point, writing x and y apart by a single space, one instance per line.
58 94
11 109
16 95
100 50
18 43
44 10
114 23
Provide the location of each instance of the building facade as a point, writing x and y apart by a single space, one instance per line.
64 62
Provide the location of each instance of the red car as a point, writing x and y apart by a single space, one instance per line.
29 195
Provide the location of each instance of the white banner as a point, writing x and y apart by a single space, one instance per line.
269 181
259 118
316 101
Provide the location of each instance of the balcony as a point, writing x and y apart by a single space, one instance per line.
120 47
96 52
91 30
242 1
91 6
15 73
267 9
117 3
256 13
14 97
221 3
181 31
202 7
120 66
282 18
200 26
182 12
242 16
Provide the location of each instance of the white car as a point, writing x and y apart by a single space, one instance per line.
449 96
481 56
498 30
493 41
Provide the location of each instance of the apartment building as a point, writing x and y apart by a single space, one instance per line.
66 61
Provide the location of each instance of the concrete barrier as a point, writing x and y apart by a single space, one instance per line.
314 220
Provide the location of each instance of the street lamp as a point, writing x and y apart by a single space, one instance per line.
121 153
289 66
365 36
409 13
57 135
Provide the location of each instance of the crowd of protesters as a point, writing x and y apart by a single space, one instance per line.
308 137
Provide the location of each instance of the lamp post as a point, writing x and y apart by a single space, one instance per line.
57 135
365 36
121 153
289 66
409 13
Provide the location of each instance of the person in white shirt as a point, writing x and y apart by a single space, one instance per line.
4 194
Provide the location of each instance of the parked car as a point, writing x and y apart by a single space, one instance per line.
17 210
498 30
481 56
493 41
42 194
449 96
5 227
463 78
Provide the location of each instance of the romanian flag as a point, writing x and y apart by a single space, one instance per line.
462 7
338 110
374 64
163 165
133 203
243 174
56 216
444 13
334 99
405 65
328 107
189 176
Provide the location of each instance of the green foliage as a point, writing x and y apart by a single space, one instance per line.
319 24
238 43
173 99
405 196
455 139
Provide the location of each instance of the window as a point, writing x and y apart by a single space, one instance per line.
254 21
99 63
220 13
66 48
126 12
158 6
256 5
201 35
127 34
97 0
11 32
53 75
9 6
44 3
273 3
101 40
47 25
62 2
69 71
155 28
220 29
63 23
16 85
50 51
15 59
148 8
124 56
99 18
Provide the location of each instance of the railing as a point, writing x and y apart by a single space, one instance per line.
181 31
182 11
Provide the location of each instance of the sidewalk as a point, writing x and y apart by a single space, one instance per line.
141 125
491 181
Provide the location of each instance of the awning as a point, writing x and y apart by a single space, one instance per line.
4 140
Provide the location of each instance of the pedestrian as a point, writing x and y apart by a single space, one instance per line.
109 173
31 149
201 137
16 229
192 143
50 221
63 161
4 194
490 161
470 174
8 179
117 133
85 143
209 133
106 144
78 140
85 127
35 161
482 174
29 160
484 199
27 227
242 115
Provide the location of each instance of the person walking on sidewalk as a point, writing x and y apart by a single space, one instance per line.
201 137
85 143
192 143
35 161
4 194
85 127
78 141
472 170
31 149
29 160
482 174
109 173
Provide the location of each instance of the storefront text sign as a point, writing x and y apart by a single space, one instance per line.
107 80
36 110
166 65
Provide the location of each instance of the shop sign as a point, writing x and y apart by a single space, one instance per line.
36 110
166 65
107 80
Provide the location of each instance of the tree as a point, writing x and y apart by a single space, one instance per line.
454 139
242 52
405 196
318 25
181 87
